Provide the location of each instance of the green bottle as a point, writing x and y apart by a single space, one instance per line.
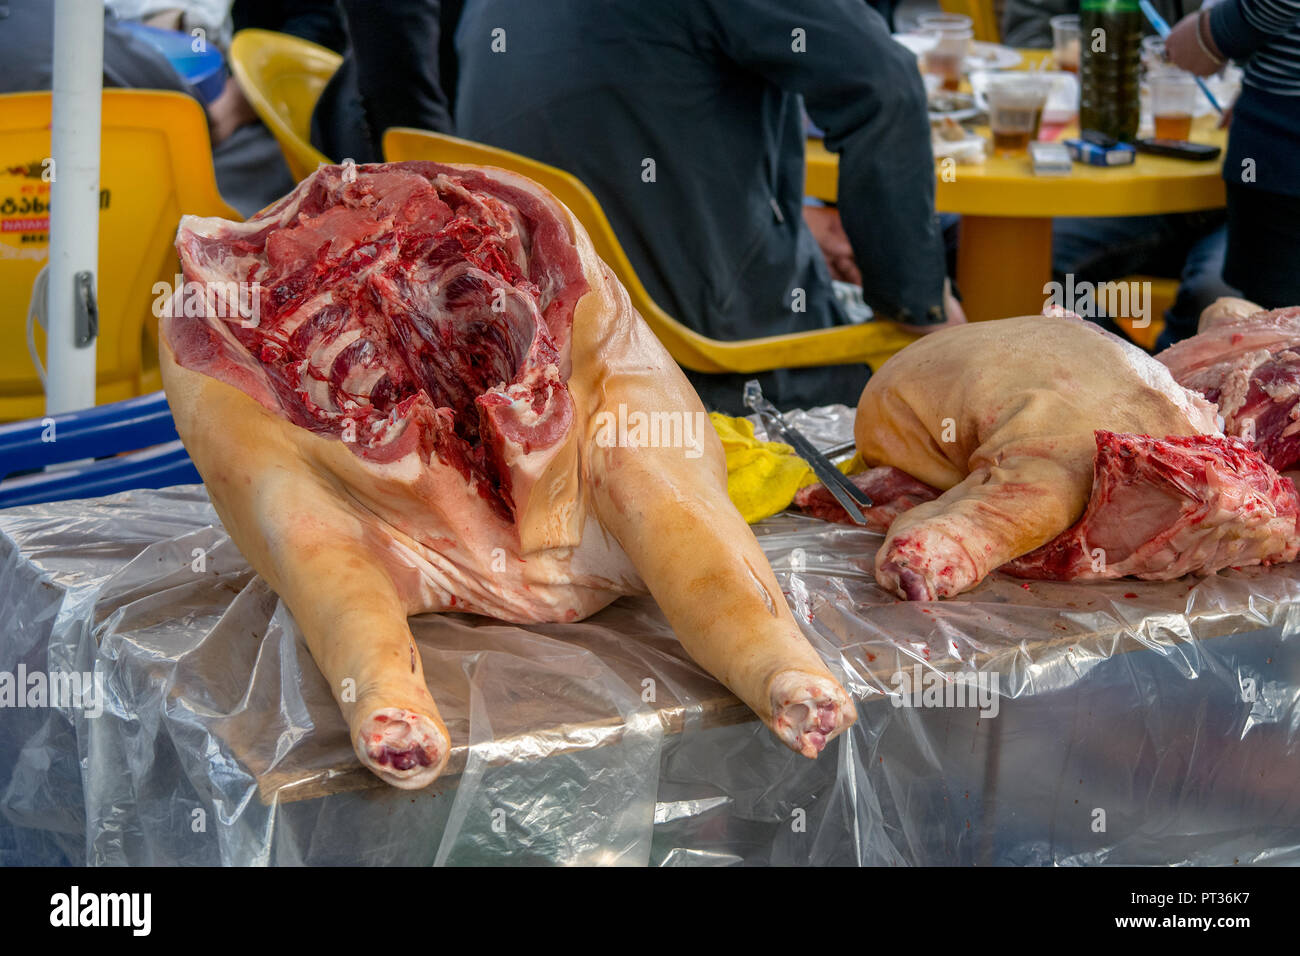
1110 55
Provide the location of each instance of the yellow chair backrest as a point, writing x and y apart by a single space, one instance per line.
282 77
870 343
155 166
983 14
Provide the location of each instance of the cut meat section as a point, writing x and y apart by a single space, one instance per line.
1162 508
397 314
1247 361
1000 417
404 420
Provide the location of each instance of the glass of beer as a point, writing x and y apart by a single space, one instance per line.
1065 42
1016 103
1173 99
952 35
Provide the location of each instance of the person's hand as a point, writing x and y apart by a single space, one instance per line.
229 111
1226 119
1184 49
826 227
170 19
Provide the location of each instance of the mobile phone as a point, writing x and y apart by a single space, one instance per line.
1178 149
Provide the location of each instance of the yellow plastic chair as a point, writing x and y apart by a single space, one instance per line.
155 166
983 14
871 343
282 77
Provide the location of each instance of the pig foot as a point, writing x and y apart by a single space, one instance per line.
905 582
923 564
402 747
809 711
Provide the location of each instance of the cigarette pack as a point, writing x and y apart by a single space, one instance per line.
1121 154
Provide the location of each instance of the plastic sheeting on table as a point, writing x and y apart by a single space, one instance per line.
1135 722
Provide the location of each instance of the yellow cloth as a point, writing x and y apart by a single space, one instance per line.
762 476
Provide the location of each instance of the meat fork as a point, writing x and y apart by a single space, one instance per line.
851 498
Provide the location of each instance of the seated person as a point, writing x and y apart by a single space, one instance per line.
317 21
1188 246
683 117
249 168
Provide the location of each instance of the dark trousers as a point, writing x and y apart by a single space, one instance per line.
395 72
1186 246
1263 259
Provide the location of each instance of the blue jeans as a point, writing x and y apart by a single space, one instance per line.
1187 246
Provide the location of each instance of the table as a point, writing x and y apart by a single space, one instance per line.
1005 253
1169 705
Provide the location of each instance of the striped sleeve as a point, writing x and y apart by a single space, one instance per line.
1240 27
1273 17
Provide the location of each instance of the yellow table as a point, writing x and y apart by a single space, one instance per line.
1005 254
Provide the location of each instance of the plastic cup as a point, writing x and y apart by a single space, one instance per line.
1153 53
952 34
1173 100
1016 103
944 21
1065 42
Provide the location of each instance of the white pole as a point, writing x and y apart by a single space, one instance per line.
74 200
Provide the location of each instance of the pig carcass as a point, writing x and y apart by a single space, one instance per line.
402 385
1049 448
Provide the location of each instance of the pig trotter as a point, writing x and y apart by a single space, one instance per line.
808 711
912 585
403 748
925 564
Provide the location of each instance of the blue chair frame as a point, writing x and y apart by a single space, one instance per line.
142 427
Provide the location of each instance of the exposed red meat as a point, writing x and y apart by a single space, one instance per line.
1248 363
891 491
1164 507
401 313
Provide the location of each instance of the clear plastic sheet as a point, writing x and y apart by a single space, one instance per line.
1132 722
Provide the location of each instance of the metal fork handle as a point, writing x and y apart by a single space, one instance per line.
830 476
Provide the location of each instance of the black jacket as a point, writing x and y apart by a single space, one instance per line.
684 118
